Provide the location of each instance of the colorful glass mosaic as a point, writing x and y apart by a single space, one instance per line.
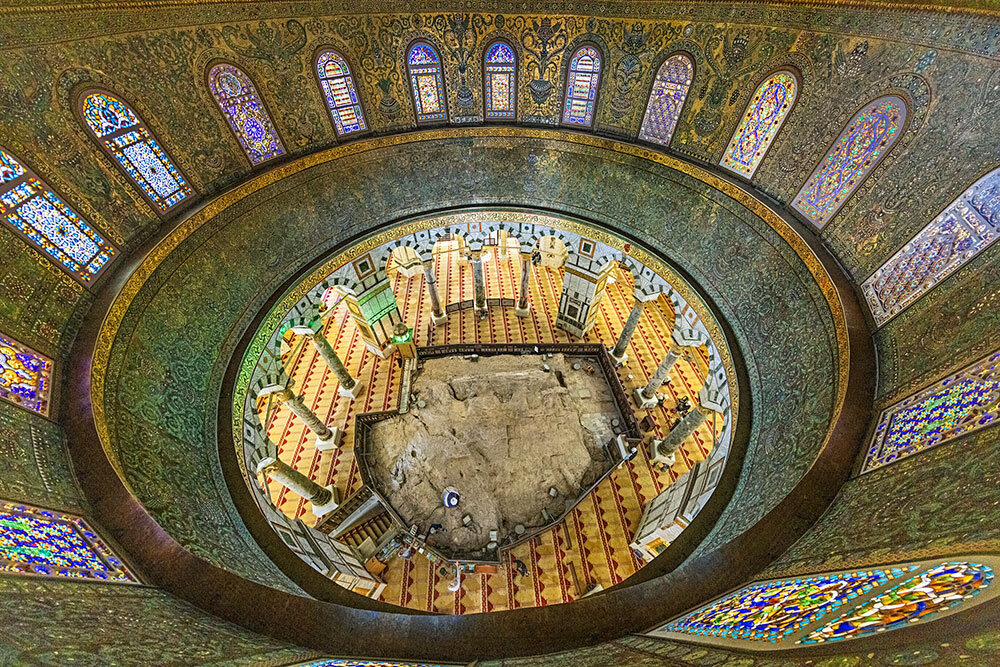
764 116
581 87
914 600
31 207
670 89
38 542
499 80
770 611
959 404
128 140
341 95
963 230
428 83
25 376
861 146
361 662
241 105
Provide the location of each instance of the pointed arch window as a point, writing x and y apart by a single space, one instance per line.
25 376
427 81
500 78
245 112
670 89
967 227
30 206
126 138
862 145
764 116
341 95
581 87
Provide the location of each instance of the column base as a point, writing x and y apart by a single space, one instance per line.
353 392
326 508
620 361
333 442
439 320
654 457
642 401
523 312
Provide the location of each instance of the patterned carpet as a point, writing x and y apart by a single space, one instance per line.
591 546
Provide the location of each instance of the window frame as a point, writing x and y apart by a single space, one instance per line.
225 118
413 94
319 53
649 95
597 91
510 45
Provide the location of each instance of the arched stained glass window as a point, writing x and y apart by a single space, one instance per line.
670 89
241 105
861 146
127 139
582 79
34 210
500 78
961 403
967 227
837 606
764 116
341 95
427 80
25 376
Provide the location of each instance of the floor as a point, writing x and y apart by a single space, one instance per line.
591 546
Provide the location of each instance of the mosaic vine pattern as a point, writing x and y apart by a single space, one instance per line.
501 67
764 116
963 230
35 211
861 146
244 111
35 541
25 376
959 404
127 139
581 87
427 82
349 662
916 599
670 89
772 610
341 95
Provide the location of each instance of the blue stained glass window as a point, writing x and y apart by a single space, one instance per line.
667 99
25 376
361 662
341 95
861 146
427 81
128 140
39 542
500 81
581 87
30 206
764 116
241 105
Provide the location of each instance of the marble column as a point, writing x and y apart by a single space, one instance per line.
326 437
523 308
618 353
478 281
664 451
324 499
349 387
438 316
645 397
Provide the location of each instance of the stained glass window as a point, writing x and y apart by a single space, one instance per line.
770 611
38 542
25 376
963 230
500 81
428 83
241 105
341 95
581 87
670 89
961 403
31 207
861 146
765 113
361 662
128 140
915 599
